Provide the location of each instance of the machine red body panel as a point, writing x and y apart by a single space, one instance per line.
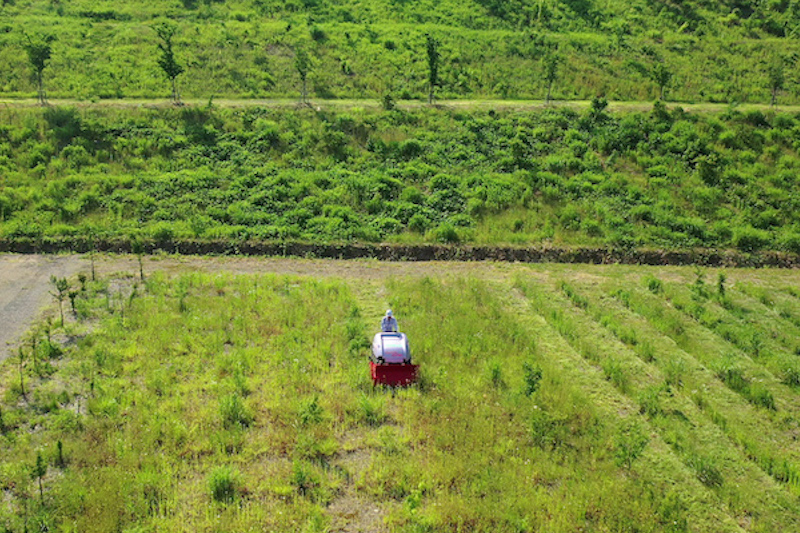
394 375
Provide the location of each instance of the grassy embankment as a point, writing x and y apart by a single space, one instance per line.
558 176
551 398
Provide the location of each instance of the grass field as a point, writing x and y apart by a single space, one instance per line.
555 398
713 52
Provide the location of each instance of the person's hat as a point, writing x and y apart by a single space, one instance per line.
388 312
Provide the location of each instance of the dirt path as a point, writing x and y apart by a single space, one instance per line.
24 291
350 103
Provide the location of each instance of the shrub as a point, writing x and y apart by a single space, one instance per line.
629 444
419 223
791 243
233 412
162 231
447 233
592 228
707 472
532 375
760 396
570 217
548 431
223 483
318 34
654 284
649 401
462 220
749 239
311 412
412 195
410 149
387 225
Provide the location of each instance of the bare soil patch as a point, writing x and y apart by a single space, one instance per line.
25 290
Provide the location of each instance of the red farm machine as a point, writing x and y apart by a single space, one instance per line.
390 363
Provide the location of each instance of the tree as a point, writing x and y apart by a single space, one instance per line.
167 62
433 65
551 62
39 51
302 62
38 472
137 247
21 360
661 75
62 289
776 79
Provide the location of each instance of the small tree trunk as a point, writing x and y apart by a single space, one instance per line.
40 89
549 90
22 372
33 355
175 96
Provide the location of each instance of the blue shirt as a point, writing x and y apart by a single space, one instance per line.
389 323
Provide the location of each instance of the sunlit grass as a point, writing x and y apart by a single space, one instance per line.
548 400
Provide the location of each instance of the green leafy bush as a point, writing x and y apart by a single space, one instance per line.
749 239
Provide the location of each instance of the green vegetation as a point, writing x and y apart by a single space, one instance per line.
716 51
172 69
39 52
664 178
551 398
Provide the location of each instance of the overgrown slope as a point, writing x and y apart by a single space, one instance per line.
664 178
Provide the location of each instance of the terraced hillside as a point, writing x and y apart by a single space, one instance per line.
553 398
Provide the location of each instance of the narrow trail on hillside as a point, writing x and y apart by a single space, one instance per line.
350 103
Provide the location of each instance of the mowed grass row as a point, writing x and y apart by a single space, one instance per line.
687 379
658 392
236 403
